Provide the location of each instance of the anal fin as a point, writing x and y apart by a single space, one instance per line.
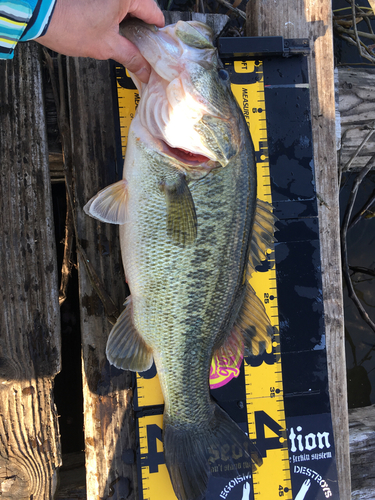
126 349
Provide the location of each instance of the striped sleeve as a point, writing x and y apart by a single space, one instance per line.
22 20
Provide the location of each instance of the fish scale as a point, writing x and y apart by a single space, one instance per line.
177 279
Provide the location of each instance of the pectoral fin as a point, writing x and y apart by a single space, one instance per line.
181 215
126 349
110 204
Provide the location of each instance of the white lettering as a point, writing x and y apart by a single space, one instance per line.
324 435
305 457
232 484
308 441
299 439
316 477
312 445
292 437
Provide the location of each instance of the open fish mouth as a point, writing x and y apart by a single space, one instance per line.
187 156
184 105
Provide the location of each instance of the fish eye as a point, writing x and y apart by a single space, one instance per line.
223 75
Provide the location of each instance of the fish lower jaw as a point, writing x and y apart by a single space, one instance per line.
187 157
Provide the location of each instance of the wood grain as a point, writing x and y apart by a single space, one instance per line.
362 452
310 19
357 114
29 311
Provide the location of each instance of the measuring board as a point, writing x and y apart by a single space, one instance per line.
281 397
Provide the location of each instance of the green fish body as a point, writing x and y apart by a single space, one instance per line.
191 233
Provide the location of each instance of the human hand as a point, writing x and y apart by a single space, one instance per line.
90 28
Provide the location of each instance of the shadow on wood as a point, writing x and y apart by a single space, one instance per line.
29 310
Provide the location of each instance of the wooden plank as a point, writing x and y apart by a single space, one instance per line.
310 19
362 452
216 22
109 429
357 114
29 310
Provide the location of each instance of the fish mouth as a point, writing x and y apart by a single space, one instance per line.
186 157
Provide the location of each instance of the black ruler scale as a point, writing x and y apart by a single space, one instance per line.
280 398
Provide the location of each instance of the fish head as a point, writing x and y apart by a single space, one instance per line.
187 104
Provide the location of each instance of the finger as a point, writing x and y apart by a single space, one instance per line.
149 12
128 55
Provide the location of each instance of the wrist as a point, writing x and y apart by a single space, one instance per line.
40 20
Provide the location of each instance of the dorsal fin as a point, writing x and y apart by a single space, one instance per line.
262 237
252 331
254 324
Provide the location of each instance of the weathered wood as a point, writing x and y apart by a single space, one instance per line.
72 477
310 19
357 114
56 167
217 22
362 452
108 424
29 310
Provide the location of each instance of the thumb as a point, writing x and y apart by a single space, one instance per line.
127 53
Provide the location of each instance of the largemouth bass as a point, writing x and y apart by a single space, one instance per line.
191 233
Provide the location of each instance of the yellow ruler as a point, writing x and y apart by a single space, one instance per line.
263 376
127 98
264 383
156 484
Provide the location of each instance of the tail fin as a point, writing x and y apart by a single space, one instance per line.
194 453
